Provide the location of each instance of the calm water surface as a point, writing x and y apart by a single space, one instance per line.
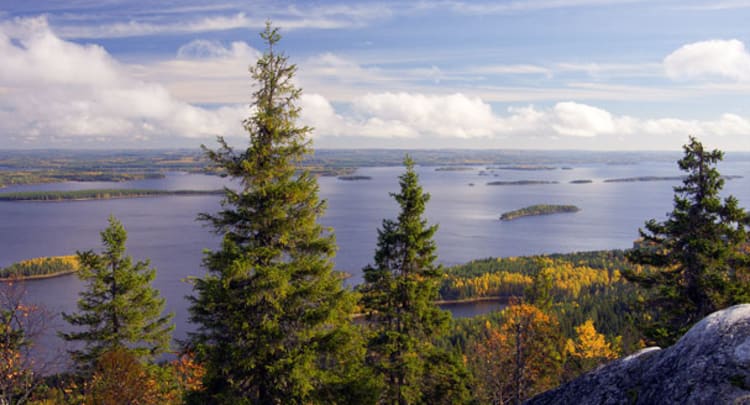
164 229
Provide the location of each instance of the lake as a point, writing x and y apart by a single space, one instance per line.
164 229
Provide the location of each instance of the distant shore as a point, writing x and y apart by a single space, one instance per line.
98 194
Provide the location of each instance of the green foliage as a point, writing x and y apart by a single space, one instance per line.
273 317
398 296
117 308
698 251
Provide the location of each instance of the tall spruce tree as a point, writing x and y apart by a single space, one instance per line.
118 308
273 318
697 251
405 345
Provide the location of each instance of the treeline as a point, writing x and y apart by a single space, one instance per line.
40 267
14 177
97 194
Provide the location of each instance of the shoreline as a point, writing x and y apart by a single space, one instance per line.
37 277
472 300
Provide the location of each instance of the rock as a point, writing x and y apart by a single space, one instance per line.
710 364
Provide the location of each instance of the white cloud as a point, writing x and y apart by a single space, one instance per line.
56 90
173 22
495 7
709 59
575 119
512 70
456 116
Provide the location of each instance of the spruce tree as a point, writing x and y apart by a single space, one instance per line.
697 251
405 345
273 318
118 308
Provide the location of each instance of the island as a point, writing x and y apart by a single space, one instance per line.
540 209
522 167
354 178
643 178
98 194
520 183
454 169
583 181
40 267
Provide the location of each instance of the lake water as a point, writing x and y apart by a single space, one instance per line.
164 229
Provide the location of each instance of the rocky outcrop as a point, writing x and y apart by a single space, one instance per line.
709 365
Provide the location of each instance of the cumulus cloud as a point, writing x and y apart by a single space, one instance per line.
55 89
456 116
61 93
727 59
581 120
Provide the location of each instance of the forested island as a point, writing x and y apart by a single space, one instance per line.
454 169
520 183
539 209
355 178
582 181
98 194
523 168
41 267
660 178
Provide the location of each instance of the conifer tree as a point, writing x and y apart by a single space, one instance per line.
118 308
698 250
273 318
398 296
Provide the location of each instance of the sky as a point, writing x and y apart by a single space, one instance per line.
512 74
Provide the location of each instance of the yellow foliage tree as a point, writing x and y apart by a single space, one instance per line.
589 349
520 358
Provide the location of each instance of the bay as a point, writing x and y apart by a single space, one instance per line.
164 229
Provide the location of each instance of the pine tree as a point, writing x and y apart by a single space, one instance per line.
698 250
118 308
273 318
398 296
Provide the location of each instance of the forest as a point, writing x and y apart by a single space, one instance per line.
274 323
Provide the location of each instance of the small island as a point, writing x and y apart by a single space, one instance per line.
540 209
40 267
660 178
582 181
522 167
454 169
643 178
98 194
354 178
520 183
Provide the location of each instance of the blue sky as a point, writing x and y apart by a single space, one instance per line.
536 74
